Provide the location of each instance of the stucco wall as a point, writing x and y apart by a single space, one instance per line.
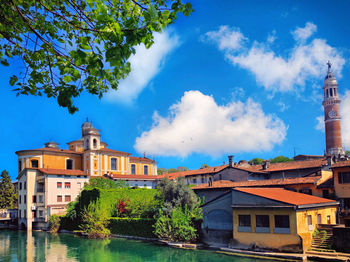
342 190
283 242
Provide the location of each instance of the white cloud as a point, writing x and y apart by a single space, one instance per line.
320 123
226 38
303 33
145 64
345 113
281 74
197 124
272 37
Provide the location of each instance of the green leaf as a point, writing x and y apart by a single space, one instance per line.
67 79
4 62
13 80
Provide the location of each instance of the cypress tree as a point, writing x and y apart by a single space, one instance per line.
7 191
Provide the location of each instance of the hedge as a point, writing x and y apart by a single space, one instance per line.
140 227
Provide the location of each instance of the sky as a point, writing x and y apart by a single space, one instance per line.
240 78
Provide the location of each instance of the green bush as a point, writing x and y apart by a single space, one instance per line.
141 227
176 227
54 223
94 221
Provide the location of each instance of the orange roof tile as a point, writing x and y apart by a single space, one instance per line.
301 164
135 158
285 196
267 182
113 151
207 170
51 149
345 163
134 177
69 172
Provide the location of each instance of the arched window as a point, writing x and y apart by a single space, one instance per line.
145 170
331 91
95 142
133 169
87 144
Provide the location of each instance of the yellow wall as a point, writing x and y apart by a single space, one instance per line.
140 166
302 219
342 190
59 161
267 240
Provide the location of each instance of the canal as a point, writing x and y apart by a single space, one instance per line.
40 246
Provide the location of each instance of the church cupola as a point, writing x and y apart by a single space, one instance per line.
91 136
332 117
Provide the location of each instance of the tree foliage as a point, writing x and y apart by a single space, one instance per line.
68 46
104 183
204 166
7 191
280 159
256 161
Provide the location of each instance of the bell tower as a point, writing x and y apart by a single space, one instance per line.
330 104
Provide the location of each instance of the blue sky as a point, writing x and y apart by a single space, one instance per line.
235 77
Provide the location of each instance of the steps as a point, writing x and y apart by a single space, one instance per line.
324 239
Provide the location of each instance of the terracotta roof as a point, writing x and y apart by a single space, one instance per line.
134 177
78 140
345 163
207 170
267 182
285 196
302 164
113 151
69 172
135 158
50 149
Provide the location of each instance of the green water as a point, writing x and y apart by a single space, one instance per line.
40 246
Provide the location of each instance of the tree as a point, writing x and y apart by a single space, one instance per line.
204 166
69 46
172 170
280 159
161 171
7 191
347 152
256 161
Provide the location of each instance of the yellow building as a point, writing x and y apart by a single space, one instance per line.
50 177
266 218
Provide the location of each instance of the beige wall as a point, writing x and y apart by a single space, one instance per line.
341 190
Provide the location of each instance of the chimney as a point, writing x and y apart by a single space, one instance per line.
230 161
265 164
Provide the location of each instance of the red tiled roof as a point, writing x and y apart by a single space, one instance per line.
113 151
267 182
285 196
345 163
51 149
134 177
135 158
207 170
69 172
301 164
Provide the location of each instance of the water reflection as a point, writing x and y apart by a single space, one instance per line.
39 246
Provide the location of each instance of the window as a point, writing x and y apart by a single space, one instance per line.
20 185
133 169
25 199
327 95
244 224
282 224
41 199
34 199
66 184
59 198
202 180
331 91
145 170
344 177
309 222
328 219
59 184
69 164
41 213
306 191
319 219
113 164
262 221
20 199
194 180
19 166
35 163
19 213
87 144
95 143
67 198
